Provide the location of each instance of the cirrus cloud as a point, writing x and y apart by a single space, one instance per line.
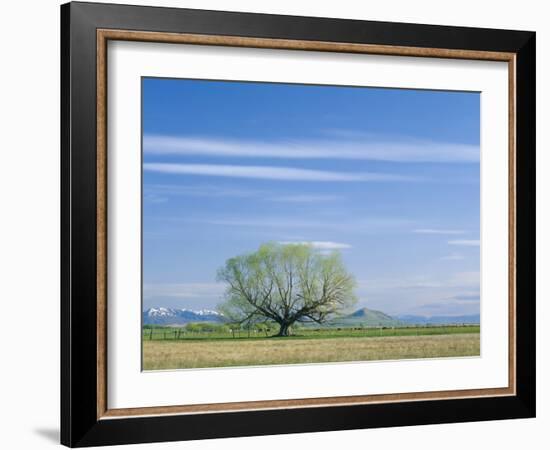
321 245
354 148
271 173
437 231
465 242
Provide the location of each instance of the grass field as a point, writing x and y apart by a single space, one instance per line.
310 347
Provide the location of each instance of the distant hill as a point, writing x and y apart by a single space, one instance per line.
439 320
368 318
371 318
173 316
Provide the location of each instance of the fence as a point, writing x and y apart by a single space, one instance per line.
181 333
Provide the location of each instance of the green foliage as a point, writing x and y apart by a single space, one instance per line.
206 327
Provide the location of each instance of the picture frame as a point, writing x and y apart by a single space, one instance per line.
86 418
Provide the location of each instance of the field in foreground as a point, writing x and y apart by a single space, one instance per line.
183 354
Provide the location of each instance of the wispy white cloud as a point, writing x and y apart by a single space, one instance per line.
156 193
271 173
262 222
183 290
466 279
154 198
465 242
437 231
305 198
448 307
321 245
452 257
467 297
366 225
348 147
200 190
425 284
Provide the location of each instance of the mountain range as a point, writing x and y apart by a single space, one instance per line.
173 316
439 320
361 317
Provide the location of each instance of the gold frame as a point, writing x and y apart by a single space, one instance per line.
103 36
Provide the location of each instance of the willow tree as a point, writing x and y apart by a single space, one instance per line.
286 284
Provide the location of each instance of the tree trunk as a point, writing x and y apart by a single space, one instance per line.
284 330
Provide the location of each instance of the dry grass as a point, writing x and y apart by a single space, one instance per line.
159 355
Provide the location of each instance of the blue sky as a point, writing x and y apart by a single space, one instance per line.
388 177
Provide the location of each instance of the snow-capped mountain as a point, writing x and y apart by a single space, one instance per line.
173 316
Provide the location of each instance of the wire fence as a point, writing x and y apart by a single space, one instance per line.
183 333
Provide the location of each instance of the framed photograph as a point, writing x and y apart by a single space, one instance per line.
276 224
